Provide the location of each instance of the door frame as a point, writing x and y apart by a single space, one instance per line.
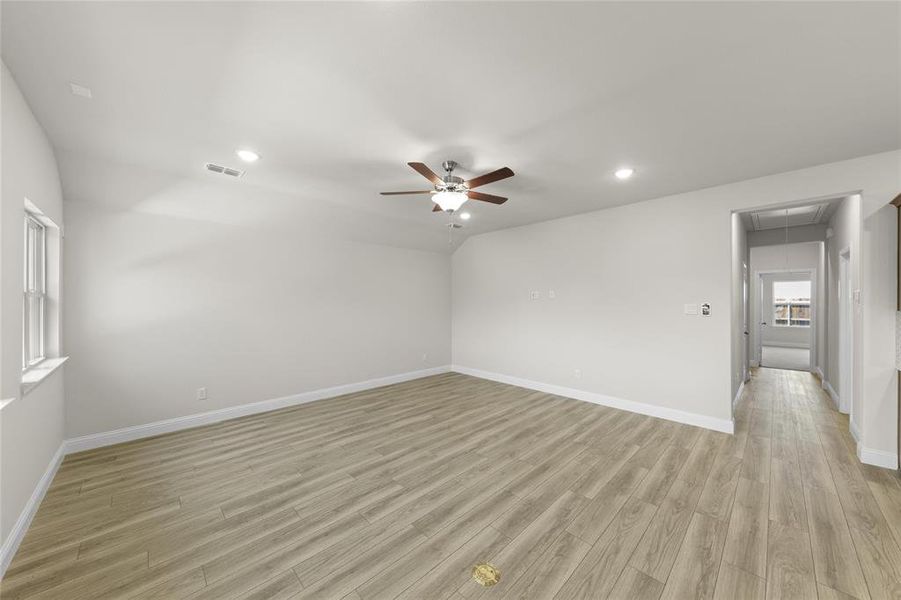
845 333
814 311
746 321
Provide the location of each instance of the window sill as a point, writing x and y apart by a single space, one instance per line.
39 372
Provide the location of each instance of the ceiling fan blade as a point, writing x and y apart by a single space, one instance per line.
400 193
486 197
426 172
490 177
436 208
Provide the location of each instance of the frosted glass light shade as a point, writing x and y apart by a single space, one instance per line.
450 200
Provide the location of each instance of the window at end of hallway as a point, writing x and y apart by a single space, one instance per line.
791 303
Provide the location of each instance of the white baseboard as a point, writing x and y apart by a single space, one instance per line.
832 393
755 363
877 458
868 456
819 373
741 388
11 544
670 414
787 345
127 434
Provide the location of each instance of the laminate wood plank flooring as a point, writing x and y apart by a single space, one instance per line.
398 492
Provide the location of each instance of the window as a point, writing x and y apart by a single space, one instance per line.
791 303
35 291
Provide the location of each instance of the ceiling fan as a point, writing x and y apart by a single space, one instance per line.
451 191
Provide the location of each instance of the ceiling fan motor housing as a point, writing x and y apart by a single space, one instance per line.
452 183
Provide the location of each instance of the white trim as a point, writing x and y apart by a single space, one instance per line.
741 388
37 373
868 456
11 544
832 394
819 373
786 344
877 458
755 363
670 414
127 434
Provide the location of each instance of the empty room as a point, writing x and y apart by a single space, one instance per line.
450 300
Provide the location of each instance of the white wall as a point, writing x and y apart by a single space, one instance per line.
622 276
801 256
31 427
879 423
174 284
845 224
740 343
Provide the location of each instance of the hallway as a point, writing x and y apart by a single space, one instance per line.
834 524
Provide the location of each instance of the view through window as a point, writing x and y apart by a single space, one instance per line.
35 292
791 303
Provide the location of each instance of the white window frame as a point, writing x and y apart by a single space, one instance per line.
35 292
789 304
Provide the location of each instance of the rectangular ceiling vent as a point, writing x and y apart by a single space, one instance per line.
223 170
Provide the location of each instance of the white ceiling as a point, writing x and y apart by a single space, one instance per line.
794 216
337 97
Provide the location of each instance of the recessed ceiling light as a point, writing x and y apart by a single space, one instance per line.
80 90
248 155
465 216
624 173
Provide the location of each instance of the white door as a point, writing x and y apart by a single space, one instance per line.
786 320
845 328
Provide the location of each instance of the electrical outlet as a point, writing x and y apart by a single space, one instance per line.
578 373
425 356
201 393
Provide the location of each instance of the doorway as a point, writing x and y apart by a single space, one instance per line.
786 324
845 332
745 322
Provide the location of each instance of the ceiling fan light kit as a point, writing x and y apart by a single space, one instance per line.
451 192
450 201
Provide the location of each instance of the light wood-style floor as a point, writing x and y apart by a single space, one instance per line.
398 492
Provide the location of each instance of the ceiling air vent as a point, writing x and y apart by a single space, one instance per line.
223 170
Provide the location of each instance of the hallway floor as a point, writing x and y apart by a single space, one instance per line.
777 357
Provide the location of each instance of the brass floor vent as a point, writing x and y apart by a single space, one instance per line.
486 574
